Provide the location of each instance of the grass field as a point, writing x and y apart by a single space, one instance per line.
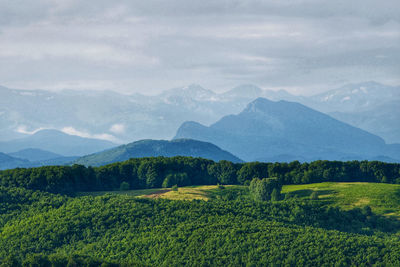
384 199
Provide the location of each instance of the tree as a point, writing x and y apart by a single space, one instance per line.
275 195
124 186
262 189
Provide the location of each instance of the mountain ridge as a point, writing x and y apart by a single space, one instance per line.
56 142
266 128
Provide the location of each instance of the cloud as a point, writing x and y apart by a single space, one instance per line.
147 46
103 136
24 130
117 128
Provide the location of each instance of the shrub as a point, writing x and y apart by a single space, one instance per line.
175 188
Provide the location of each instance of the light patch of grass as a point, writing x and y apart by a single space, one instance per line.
362 202
190 193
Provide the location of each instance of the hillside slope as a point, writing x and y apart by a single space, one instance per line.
154 148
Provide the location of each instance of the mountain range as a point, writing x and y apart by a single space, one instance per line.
126 118
277 131
55 142
154 148
31 157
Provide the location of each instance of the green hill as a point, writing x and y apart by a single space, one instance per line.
154 148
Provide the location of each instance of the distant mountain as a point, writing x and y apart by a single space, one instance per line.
34 154
243 91
56 142
8 162
355 97
125 118
193 91
382 120
154 148
39 157
105 113
267 130
54 161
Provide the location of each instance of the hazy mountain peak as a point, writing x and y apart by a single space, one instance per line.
192 91
35 154
258 104
245 91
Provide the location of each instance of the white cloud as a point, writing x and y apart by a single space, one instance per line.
103 136
24 130
117 128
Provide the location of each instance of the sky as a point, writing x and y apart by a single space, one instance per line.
303 46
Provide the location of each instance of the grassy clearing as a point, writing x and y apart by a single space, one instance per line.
204 192
382 198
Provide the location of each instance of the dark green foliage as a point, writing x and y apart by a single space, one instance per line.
275 195
40 228
120 230
174 188
176 178
124 186
314 195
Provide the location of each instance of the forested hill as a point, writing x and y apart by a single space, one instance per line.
155 148
158 172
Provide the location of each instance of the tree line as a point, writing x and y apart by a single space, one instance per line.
157 172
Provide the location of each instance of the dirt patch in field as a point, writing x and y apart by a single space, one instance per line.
158 193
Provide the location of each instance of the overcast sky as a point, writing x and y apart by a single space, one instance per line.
146 46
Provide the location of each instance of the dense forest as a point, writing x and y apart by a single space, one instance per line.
157 172
43 223
43 229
